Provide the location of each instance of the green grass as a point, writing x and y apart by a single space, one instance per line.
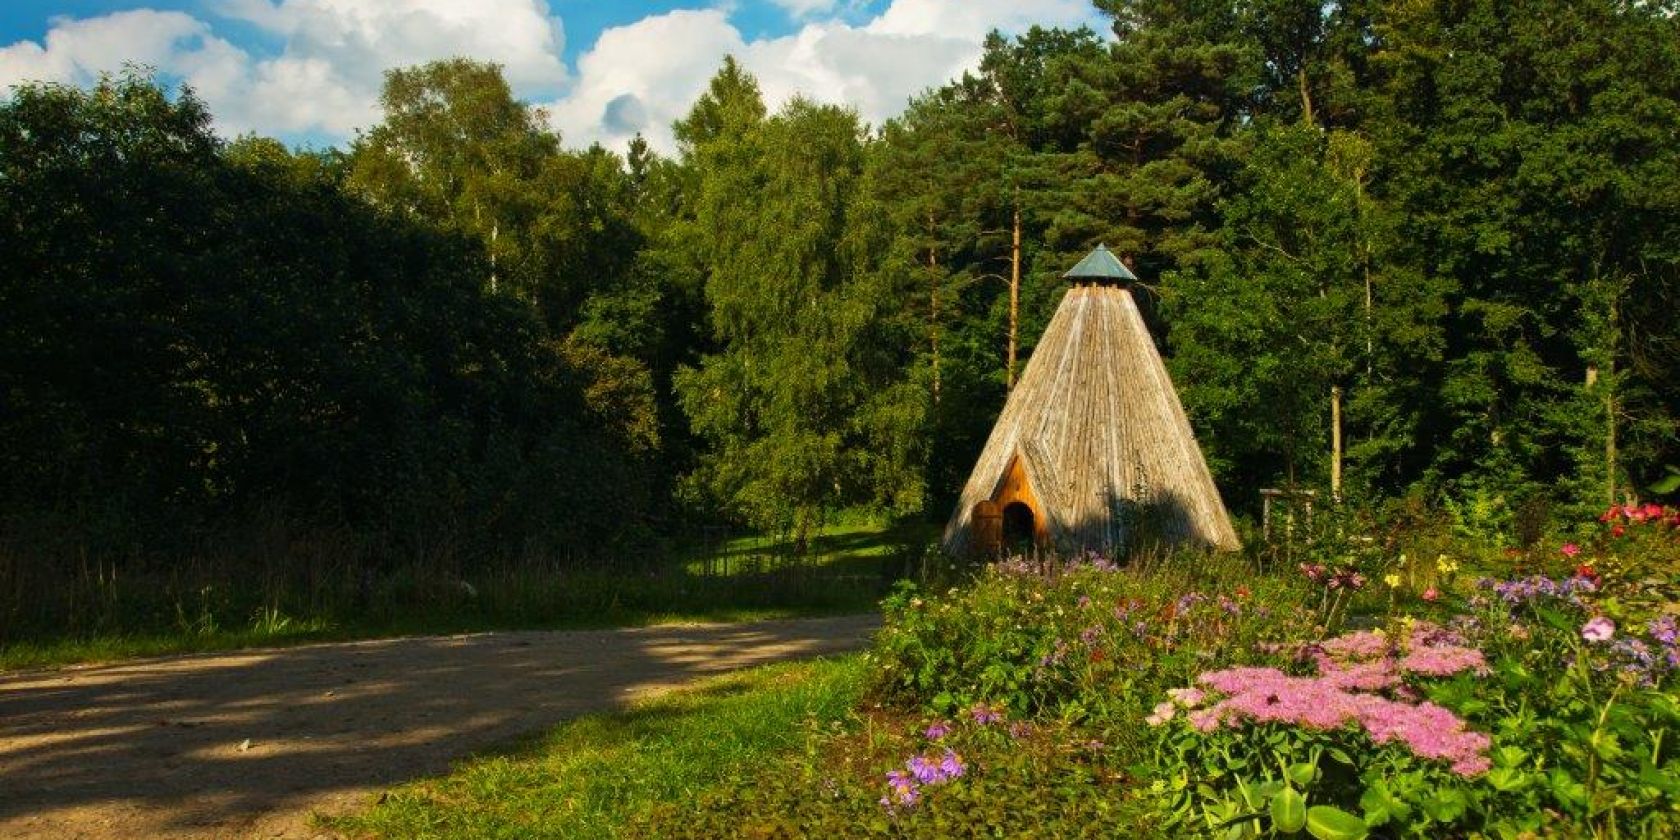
114 648
586 778
737 579
855 548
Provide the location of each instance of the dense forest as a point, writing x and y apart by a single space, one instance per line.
1393 249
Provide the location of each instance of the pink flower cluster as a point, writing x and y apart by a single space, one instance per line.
1353 672
1647 512
1331 578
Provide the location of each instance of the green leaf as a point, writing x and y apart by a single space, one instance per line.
1301 774
1506 779
1330 823
1668 483
1509 756
1375 803
1445 805
1289 811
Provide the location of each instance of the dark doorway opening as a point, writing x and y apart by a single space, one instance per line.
1017 525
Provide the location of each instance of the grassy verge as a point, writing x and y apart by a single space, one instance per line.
587 778
114 648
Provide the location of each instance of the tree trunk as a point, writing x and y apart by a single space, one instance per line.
1336 443
1014 290
1609 384
933 306
1306 97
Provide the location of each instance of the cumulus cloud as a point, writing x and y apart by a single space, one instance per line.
643 76
77 51
326 76
972 19
806 8
317 70
663 62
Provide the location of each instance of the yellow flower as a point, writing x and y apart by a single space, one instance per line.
1392 580
1446 565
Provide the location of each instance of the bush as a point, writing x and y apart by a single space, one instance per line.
1082 639
1534 713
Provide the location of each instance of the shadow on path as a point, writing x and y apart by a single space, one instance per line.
158 748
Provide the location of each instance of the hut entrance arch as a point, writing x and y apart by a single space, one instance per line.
1011 519
1019 525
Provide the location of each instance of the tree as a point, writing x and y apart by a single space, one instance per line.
805 405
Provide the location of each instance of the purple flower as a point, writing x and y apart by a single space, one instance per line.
901 790
1089 635
984 714
1084 601
1598 629
951 765
925 771
1020 730
1664 630
938 729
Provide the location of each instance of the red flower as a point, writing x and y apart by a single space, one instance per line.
1585 570
1617 531
1242 592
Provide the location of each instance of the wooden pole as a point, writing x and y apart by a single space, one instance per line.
933 304
1335 443
1609 385
1014 291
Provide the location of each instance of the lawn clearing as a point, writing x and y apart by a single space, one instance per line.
586 778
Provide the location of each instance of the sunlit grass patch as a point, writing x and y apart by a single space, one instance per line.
586 778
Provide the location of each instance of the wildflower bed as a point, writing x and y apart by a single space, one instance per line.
1192 695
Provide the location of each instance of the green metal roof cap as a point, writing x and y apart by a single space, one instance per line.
1100 266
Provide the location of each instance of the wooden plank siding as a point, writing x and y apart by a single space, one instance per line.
1097 438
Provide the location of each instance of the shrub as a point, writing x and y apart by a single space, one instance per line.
1534 714
1081 639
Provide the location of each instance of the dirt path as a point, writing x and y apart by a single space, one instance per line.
248 744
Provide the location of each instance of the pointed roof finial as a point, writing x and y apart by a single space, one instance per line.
1100 266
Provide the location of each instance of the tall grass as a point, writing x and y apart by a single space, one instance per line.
273 582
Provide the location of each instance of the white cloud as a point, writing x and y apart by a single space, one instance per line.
806 8
361 39
77 51
646 75
643 76
972 19
323 80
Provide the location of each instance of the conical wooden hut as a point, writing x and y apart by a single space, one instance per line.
1093 449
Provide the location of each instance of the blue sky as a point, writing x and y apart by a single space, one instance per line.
308 71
